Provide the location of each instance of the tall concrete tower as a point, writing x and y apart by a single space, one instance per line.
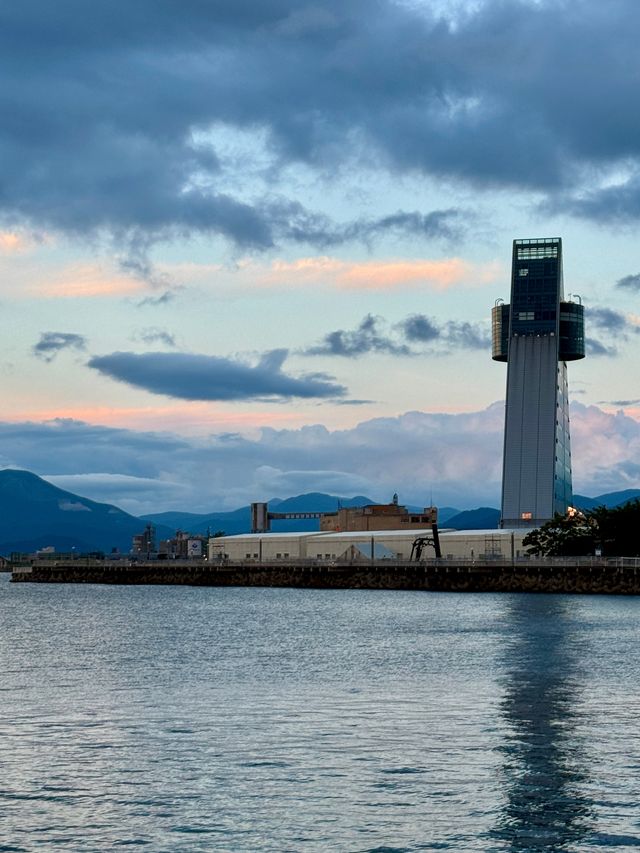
536 335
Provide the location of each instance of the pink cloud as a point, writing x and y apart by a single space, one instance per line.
87 280
192 418
349 275
11 242
384 275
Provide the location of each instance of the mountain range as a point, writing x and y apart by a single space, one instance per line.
35 514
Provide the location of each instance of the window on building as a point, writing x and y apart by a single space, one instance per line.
526 516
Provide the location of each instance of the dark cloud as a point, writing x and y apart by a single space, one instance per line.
52 343
153 335
607 319
423 329
106 116
619 402
595 347
300 225
366 338
154 301
419 328
374 335
204 377
630 282
615 324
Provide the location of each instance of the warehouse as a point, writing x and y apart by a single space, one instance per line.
383 544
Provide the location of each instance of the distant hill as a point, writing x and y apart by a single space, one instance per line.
609 499
34 514
484 518
445 513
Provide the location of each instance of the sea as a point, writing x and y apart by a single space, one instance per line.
172 719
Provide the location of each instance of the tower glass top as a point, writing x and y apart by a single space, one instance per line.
536 286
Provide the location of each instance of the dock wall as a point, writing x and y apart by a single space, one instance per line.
618 577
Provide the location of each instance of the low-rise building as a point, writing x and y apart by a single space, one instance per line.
480 545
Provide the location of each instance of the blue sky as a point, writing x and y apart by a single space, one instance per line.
249 249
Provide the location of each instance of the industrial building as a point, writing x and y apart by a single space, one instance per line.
536 334
378 517
381 544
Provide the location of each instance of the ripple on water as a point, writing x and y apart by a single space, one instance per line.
283 720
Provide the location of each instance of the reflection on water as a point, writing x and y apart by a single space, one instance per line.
545 766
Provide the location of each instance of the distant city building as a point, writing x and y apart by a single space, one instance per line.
183 546
536 334
144 544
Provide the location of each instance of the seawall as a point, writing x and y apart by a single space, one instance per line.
613 577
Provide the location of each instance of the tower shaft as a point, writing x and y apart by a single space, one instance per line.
536 335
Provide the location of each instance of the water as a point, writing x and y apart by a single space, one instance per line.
177 719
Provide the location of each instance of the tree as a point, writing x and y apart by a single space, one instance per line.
570 535
614 532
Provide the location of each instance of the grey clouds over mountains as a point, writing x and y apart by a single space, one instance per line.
459 455
112 105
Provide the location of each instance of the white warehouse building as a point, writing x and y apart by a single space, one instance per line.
381 544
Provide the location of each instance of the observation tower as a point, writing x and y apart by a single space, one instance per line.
536 334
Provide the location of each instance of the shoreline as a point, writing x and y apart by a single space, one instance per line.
616 577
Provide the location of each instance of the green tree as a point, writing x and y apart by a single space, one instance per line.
615 532
571 535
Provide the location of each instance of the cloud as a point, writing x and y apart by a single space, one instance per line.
622 403
152 335
85 280
594 347
608 319
617 325
201 377
366 338
154 301
327 271
457 456
53 343
382 275
302 226
373 335
144 94
630 282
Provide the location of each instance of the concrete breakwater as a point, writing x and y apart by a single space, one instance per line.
617 577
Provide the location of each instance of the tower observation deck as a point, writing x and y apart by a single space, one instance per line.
536 334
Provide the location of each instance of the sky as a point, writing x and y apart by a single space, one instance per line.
249 248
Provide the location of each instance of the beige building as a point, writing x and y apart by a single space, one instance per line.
383 544
377 517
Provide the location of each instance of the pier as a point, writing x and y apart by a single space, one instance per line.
613 576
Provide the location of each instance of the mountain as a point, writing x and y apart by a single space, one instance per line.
239 520
483 518
445 513
609 499
34 514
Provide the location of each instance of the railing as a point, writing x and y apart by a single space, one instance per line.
476 563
